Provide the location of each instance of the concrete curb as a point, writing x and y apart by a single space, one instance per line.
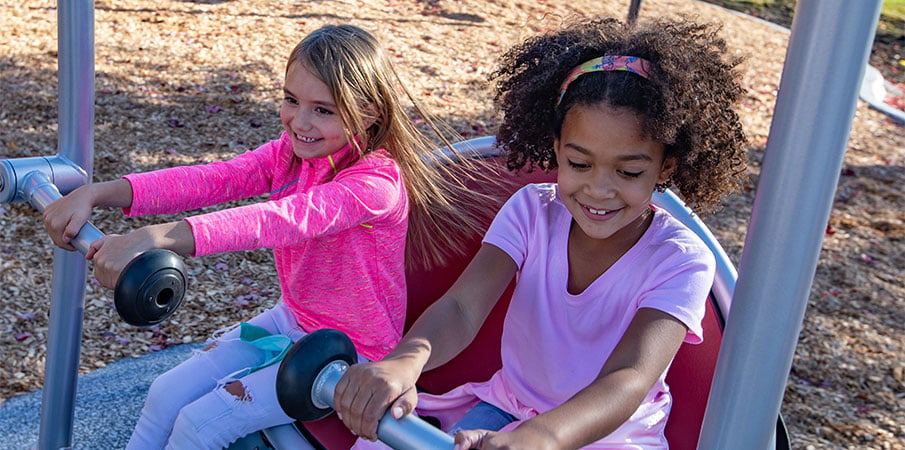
108 402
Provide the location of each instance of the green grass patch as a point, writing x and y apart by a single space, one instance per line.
893 10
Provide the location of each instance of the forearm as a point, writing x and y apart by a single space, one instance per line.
452 322
367 391
111 194
431 341
592 413
630 372
440 333
174 236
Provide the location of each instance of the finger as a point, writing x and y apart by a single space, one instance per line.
365 419
405 404
103 277
105 269
385 401
94 247
49 222
467 439
53 230
341 394
60 242
346 411
72 230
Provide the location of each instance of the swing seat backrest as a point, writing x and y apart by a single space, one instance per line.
689 376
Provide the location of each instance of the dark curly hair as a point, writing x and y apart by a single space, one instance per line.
687 102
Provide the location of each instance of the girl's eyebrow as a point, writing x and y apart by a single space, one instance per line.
289 93
628 157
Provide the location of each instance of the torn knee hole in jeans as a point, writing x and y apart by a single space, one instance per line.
237 389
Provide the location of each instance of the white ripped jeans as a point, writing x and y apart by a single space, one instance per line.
189 407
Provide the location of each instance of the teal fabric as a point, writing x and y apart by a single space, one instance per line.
274 346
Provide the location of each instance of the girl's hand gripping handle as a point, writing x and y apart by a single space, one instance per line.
148 287
309 376
368 391
67 217
64 218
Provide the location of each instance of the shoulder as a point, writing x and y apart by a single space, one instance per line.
536 197
533 209
671 240
529 216
378 159
275 152
375 163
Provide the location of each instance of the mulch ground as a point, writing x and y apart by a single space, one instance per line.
183 82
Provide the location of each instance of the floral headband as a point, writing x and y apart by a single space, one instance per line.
631 64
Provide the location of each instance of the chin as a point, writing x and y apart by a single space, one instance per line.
595 232
302 154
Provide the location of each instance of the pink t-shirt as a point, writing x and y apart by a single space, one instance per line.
555 343
338 238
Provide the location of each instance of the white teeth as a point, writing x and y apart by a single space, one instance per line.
304 138
598 211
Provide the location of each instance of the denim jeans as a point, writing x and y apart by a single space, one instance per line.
483 416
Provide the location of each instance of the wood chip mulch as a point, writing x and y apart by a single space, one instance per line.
183 82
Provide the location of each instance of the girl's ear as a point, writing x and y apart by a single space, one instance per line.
669 166
371 116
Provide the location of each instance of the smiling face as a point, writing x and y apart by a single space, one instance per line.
608 171
310 116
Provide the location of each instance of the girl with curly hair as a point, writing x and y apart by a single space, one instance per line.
608 286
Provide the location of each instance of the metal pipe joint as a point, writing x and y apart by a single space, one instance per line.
62 172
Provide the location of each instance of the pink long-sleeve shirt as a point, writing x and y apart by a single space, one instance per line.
338 238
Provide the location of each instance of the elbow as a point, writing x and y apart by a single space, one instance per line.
632 385
469 322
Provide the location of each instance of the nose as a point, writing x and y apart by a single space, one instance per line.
301 120
601 184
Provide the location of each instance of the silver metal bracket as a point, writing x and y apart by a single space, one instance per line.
62 172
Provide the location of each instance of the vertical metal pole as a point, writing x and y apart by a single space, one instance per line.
634 8
75 30
826 59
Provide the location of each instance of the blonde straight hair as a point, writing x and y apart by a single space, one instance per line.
361 77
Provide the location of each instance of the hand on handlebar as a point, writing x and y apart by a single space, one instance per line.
65 217
113 252
142 268
523 437
368 390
